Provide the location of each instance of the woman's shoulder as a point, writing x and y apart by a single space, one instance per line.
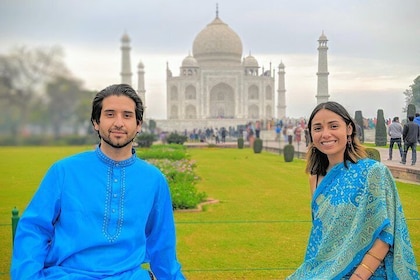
368 162
373 167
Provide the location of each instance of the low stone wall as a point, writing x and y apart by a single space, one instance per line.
406 174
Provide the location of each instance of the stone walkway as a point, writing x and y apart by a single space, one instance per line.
400 171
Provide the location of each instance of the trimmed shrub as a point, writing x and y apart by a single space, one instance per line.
411 110
373 154
183 191
358 118
381 131
258 145
175 138
145 140
174 162
289 152
240 143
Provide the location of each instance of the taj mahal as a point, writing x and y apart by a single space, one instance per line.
219 87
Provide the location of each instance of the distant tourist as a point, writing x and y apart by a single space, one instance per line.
395 131
417 119
411 135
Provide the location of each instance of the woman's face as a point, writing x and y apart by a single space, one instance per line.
329 135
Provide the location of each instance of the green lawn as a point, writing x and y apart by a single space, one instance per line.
258 230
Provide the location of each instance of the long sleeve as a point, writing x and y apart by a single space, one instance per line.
161 241
35 230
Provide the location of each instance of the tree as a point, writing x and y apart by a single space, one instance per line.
412 95
63 99
23 74
83 111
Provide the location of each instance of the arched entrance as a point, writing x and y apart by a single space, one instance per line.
222 101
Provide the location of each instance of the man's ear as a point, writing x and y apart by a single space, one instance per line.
95 125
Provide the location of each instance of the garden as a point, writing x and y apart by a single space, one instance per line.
257 230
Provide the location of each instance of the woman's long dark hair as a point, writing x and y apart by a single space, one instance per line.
317 162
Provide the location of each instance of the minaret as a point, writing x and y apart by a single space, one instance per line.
281 94
140 83
125 60
322 89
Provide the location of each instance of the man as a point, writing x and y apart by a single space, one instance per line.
395 130
100 214
411 135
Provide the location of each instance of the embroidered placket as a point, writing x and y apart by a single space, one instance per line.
114 203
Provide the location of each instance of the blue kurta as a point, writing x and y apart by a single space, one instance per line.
351 208
94 218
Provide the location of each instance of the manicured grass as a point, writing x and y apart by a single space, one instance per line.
258 230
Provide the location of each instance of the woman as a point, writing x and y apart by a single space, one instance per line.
358 225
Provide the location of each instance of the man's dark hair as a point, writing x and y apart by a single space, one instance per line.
118 90
410 118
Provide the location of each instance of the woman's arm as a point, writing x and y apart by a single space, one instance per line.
370 262
312 183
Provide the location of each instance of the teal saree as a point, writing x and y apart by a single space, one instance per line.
351 208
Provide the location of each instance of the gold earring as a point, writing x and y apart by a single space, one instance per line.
349 142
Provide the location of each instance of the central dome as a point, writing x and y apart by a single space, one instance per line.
217 44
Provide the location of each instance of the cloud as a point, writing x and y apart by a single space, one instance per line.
374 52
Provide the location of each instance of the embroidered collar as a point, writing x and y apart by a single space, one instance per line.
112 162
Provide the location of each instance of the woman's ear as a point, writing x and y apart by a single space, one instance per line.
349 129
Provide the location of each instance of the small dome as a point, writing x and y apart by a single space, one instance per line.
189 61
250 61
140 65
125 38
281 65
323 37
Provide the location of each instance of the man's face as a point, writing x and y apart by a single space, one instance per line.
117 125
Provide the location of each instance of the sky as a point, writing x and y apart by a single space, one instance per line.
373 55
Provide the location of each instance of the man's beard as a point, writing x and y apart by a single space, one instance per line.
116 146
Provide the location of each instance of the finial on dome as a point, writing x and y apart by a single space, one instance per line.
217 10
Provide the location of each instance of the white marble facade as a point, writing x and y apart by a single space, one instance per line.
216 83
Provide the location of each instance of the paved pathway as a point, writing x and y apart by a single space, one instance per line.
384 152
